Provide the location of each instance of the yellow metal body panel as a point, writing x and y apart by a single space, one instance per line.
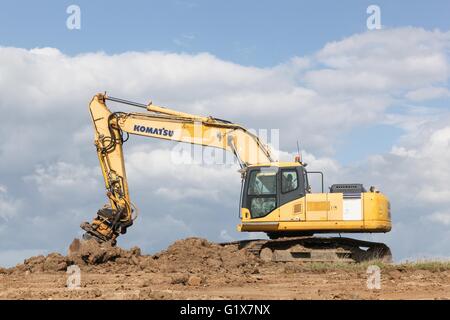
293 211
317 207
322 212
199 131
336 206
376 207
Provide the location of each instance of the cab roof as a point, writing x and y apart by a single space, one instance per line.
277 164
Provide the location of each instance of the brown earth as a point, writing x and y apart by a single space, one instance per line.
197 269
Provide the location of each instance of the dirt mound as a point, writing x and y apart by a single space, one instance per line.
185 257
92 253
194 268
53 262
87 255
196 255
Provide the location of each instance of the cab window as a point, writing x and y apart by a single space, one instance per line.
262 183
289 180
262 193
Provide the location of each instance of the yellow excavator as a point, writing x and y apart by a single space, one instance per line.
276 197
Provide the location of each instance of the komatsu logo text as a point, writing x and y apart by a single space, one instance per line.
159 131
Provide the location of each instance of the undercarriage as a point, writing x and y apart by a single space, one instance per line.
315 249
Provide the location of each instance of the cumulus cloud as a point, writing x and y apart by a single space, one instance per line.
418 169
415 176
379 61
51 169
441 217
65 182
9 206
428 93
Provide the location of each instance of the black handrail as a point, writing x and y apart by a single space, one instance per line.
317 172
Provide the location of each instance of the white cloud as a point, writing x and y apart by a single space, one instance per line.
379 61
9 206
441 217
65 181
428 93
363 72
173 181
415 175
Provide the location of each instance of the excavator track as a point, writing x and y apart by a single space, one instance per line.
315 249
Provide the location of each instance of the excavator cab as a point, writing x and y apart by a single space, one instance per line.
269 187
277 199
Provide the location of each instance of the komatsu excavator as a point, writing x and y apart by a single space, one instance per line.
276 197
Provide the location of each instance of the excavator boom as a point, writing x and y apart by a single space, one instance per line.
161 123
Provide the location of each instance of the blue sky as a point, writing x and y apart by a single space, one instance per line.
261 33
367 106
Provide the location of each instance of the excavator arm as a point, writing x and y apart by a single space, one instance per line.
161 123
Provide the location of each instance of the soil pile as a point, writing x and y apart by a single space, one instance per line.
192 255
194 268
197 255
53 262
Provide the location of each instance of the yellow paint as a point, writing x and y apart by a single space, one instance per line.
316 207
292 211
326 216
335 211
376 207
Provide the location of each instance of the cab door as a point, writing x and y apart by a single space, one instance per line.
291 193
260 197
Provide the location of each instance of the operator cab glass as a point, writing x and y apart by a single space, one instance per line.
267 188
262 192
289 180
